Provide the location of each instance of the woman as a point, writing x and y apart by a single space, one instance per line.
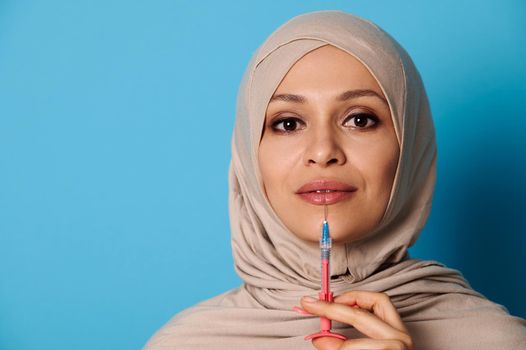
332 102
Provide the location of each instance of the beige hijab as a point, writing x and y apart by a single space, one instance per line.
436 303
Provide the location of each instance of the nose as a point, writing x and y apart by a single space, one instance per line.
323 149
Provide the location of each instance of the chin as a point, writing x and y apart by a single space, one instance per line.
346 236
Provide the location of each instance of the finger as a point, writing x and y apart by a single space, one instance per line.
327 343
378 303
361 319
301 311
373 344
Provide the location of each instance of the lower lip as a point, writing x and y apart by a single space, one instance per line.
325 198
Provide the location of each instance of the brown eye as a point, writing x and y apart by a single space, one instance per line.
286 125
362 120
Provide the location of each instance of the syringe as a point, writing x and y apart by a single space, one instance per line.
325 294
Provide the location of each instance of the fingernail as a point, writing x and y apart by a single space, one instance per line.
308 299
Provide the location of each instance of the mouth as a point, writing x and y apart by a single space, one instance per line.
325 197
320 192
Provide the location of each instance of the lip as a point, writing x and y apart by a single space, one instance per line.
339 191
320 185
325 198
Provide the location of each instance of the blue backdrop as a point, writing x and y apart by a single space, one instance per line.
115 126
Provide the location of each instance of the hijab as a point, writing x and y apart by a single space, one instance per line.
436 303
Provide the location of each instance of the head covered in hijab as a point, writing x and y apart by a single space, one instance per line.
436 303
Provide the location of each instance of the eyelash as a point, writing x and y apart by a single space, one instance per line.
367 115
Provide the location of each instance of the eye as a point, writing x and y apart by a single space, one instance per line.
286 125
361 120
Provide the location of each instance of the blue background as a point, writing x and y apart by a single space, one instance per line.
115 126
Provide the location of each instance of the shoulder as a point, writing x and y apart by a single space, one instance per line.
445 312
177 326
455 321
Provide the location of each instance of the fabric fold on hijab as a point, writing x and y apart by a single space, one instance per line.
437 304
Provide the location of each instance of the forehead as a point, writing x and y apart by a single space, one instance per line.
327 68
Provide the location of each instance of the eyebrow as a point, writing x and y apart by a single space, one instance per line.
347 95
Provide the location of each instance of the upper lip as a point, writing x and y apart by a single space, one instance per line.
319 185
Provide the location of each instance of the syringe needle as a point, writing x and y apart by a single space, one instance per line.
325 207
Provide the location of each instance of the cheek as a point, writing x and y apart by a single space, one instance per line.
377 163
275 161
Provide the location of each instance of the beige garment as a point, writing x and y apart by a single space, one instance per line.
436 303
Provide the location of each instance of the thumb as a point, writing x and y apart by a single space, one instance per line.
327 343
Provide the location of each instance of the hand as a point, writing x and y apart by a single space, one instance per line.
371 313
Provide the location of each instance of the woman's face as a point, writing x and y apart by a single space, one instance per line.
318 127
